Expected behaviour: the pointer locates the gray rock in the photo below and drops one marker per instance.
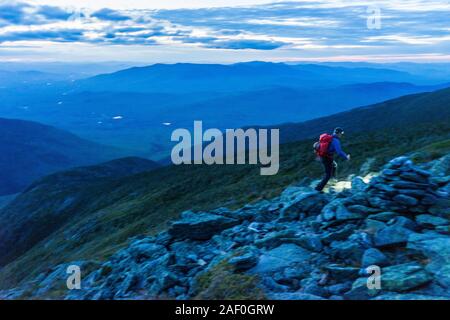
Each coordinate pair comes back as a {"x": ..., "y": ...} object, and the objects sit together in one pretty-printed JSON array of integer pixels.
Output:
[
  {"x": 406, "y": 200},
  {"x": 429, "y": 200},
  {"x": 143, "y": 251},
  {"x": 392, "y": 236},
  {"x": 360, "y": 290},
  {"x": 280, "y": 258},
  {"x": 415, "y": 193},
  {"x": 441, "y": 208},
  {"x": 404, "y": 277},
  {"x": 403, "y": 222},
  {"x": 423, "y": 173},
  {"x": 130, "y": 283},
  {"x": 310, "y": 203},
  {"x": 441, "y": 167},
  {"x": 200, "y": 226},
  {"x": 373, "y": 226},
  {"x": 328, "y": 215},
  {"x": 410, "y": 185},
  {"x": 437, "y": 249},
  {"x": 414, "y": 176},
  {"x": 340, "y": 288},
  {"x": 399, "y": 162},
  {"x": 385, "y": 188},
  {"x": 164, "y": 281},
  {"x": 275, "y": 239},
  {"x": 390, "y": 172},
  {"x": 272, "y": 286},
  {"x": 428, "y": 220},
  {"x": 378, "y": 202},
  {"x": 364, "y": 210},
  {"x": 311, "y": 286},
  {"x": 310, "y": 242},
  {"x": 384, "y": 216},
  {"x": 375, "y": 257},
  {"x": 338, "y": 235},
  {"x": 342, "y": 273},
  {"x": 342, "y": 214},
  {"x": 348, "y": 251},
  {"x": 358, "y": 184},
  {"x": 296, "y": 272},
  {"x": 245, "y": 261}
]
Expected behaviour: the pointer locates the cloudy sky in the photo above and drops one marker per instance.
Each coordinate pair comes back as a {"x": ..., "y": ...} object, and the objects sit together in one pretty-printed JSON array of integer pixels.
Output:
[{"x": 224, "y": 30}]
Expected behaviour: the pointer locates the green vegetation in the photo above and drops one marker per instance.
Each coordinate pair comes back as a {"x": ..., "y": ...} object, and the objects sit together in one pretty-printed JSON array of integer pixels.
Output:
[
  {"x": 220, "y": 283},
  {"x": 433, "y": 151}
]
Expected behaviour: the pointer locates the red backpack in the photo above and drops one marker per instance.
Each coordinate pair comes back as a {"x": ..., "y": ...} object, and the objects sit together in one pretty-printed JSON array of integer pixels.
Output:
[{"x": 321, "y": 147}]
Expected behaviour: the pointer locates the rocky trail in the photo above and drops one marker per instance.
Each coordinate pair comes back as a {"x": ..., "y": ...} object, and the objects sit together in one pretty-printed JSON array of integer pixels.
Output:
[{"x": 300, "y": 245}]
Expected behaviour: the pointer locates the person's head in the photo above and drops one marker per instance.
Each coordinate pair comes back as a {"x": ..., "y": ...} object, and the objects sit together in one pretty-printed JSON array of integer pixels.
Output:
[{"x": 339, "y": 132}]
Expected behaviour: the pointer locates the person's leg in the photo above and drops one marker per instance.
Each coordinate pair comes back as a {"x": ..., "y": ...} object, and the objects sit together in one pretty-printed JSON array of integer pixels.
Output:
[
  {"x": 328, "y": 167},
  {"x": 334, "y": 170}
]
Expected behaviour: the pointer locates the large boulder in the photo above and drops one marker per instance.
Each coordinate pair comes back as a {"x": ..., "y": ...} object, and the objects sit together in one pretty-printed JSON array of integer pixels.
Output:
[
  {"x": 404, "y": 277},
  {"x": 427, "y": 220},
  {"x": 342, "y": 273},
  {"x": 200, "y": 226},
  {"x": 358, "y": 184},
  {"x": 308, "y": 203},
  {"x": 281, "y": 257},
  {"x": 337, "y": 210},
  {"x": 360, "y": 290},
  {"x": 276, "y": 238},
  {"x": 441, "y": 167},
  {"x": 437, "y": 249},
  {"x": 348, "y": 251},
  {"x": 392, "y": 236},
  {"x": 373, "y": 257},
  {"x": 247, "y": 259}
]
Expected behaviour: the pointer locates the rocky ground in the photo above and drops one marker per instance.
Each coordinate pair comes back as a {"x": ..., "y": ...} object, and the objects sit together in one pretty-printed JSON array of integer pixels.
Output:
[{"x": 301, "y": 245}]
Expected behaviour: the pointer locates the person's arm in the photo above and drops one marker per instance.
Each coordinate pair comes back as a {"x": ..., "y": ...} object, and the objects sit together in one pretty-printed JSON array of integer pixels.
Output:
[{"x": 338, "y": 149}]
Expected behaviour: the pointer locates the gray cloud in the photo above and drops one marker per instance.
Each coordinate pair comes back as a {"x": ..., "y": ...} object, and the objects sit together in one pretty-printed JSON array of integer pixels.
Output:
[
  {"x": 245, "y": 44},
  {"x": 13, "y": 13},
  {"x": 111, "y": 15},
  {"x": 312, "y": 25},
  {"x": 54, "y": 13}
]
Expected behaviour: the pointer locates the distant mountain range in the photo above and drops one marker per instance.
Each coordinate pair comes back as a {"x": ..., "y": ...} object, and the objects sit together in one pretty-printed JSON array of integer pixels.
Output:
[
  {"x": 30, "y": 150},
  {"x": 11, "y": 79},
  {"x": 188, "y": 78},
  {"x": 138, "y": 108}
]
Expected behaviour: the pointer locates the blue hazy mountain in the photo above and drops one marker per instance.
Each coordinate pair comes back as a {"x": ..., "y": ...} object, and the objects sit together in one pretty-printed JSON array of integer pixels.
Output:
[
  {"x": 138, "y": 108},
  {"x": 185, "y": 77},
  {"x": 437, "y": 71},
  {"x": 30, "y": 150},
  {"x": 11, "y": 79}
]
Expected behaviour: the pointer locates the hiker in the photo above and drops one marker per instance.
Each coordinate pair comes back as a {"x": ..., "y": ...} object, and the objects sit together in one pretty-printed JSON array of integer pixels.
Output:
[{"x": 327, "y": 146}]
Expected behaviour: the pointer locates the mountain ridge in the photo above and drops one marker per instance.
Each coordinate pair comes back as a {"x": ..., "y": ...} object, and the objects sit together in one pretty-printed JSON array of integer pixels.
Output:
[
  {"x": 232, "y": 76},
  {"x": 39, "y": 149}
]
